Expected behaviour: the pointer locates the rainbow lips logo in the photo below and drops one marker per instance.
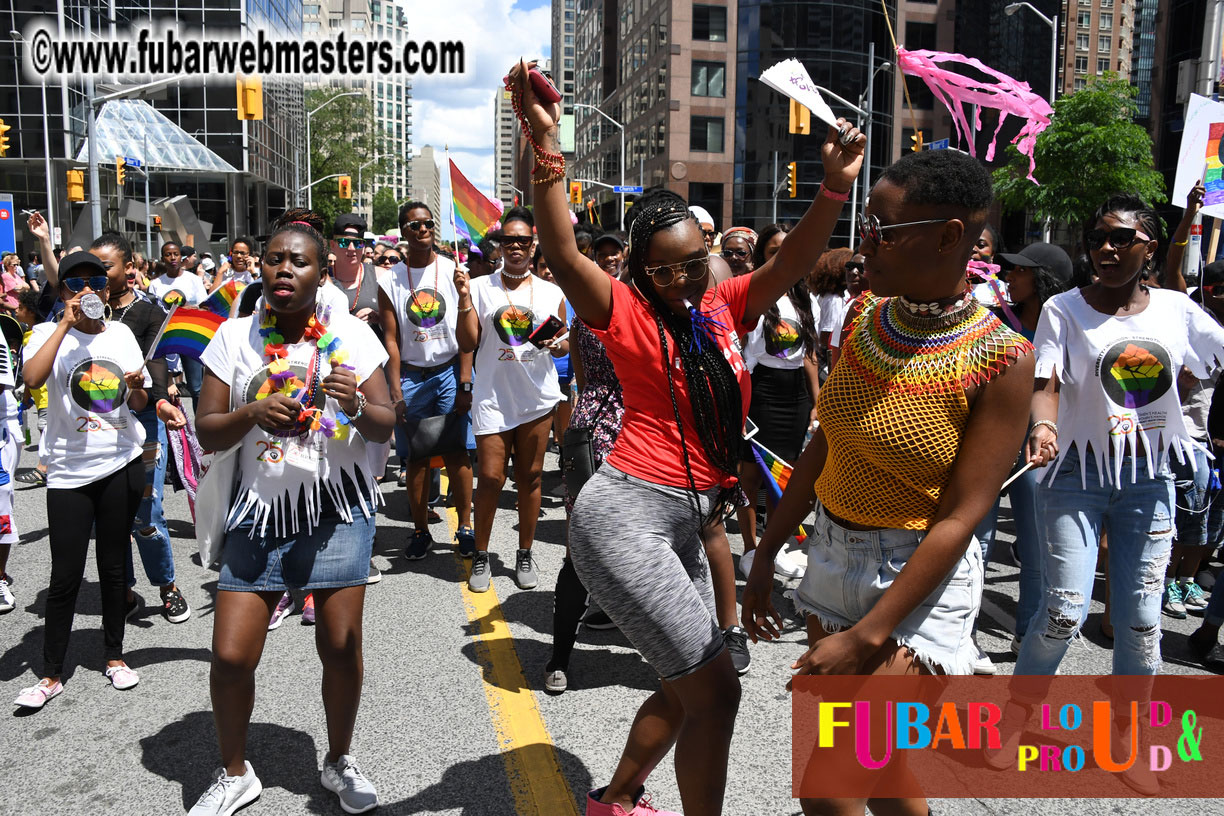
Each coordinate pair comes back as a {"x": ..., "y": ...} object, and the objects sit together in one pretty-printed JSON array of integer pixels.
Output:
[
  {"x": 1138, "y": 373},
  {"x": 97, "y": 386},
  {"x": 427, "y": 309},
  {"x": 513, "y": 324}
]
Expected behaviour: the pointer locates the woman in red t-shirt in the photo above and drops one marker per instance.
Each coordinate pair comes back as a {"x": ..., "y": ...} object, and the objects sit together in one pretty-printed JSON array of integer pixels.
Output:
[{"x": 634, "y": 529}]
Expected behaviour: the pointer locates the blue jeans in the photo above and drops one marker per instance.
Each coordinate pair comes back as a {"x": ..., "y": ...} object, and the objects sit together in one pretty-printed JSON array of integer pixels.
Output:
[
  {"x": 1023, "y": 493},
  {"x": 193, "y": 371},
  {"x": 1192, "y": 483},
  {"x": 1139, "y": 517},
  {"x": 155, "y": 551}
]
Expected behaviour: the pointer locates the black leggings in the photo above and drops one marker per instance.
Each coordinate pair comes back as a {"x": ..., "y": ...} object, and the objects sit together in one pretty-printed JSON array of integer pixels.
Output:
[
  {"x": 108, "y": 507},
  {"x": 570, "y": 601}
]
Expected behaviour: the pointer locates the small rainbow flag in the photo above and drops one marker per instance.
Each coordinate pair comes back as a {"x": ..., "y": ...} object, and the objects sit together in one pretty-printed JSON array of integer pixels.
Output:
[
  {"x": 777, "y": 475},
  {"x": 222, "y": 301},
  {"x": 1213, "y": 174},
  {"x": 187, "y": 332},
  {"x": 474, "y": 212}
]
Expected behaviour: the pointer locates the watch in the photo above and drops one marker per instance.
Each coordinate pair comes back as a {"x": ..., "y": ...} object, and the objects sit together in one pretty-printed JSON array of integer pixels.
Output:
[{"x": 465, "y": 388}]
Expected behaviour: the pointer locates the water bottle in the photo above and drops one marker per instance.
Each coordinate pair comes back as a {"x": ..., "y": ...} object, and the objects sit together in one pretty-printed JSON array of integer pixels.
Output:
[{"x": 92, "y": 306}]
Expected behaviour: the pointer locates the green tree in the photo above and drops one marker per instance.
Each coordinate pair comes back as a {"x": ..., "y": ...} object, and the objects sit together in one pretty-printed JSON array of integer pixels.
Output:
[
  {"x": 386, "y": 211},
  {"x": 344, "y": 136},
  {"x": 1091, "y": 150}
]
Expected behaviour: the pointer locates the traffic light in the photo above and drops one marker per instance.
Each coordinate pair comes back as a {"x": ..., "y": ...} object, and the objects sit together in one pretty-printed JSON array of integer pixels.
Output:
[
  {"x": 575, "y": 192},
  {"x": 4, "y": 142},
  {"x": 119, "y": 173},
  {"x": 800, "y": 118},
  {"x": 346, "y": 187},
  {"x": 792, "y": 179},
  {"x": 917, "y": 142},
  {"x": 157, "y": 223},
  {"x": 76, "y": 185},
  {"x": 250, "y": 98}
]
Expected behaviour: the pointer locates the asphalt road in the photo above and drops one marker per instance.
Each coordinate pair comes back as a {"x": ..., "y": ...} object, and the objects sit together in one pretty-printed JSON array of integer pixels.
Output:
[{"x": 451, "y": 679}]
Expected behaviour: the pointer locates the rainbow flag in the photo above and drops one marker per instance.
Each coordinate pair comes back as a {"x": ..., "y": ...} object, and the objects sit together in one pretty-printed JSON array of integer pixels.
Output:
[
  {"x": 776, "y": 473},
  {"x": 1213, "y": 174},
  {"x": 474, "y": 212},
  {"x": 187, "y": 332},
  {"x": 222, "y": 301}
]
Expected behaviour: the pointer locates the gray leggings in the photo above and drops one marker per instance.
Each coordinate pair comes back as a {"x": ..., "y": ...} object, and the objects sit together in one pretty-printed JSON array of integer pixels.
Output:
[{"x": 636, "y": 548}]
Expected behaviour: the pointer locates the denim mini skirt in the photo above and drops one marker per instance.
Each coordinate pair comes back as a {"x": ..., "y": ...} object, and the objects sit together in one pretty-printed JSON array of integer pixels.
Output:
[{"x": 849, "y": 570}]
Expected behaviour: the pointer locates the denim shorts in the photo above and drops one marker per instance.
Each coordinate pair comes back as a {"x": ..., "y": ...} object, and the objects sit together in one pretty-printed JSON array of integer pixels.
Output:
[
  {"x": 849, "y": 570},
  {"x": 429, "y": 395},
  {"x": 336, "y": 553}
]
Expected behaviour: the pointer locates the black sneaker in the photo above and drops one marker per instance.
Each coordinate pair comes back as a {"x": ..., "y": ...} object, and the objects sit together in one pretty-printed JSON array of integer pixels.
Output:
[
  {"x": 133, "y": 606},
  {"x": 375, "y": 574},
  {"x": 419, "y": 546},
  {"x": 736, "y": 640},
  {"x": 598, "y": 620},
  {"x": 466, "y": 537},
  {"x": 174, "y": 606}
]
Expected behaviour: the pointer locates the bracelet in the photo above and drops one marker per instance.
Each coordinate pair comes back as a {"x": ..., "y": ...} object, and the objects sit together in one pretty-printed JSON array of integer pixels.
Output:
[
  {"x": 465, "y": 311},
  {"x": 554, "y": 163},
  {"x": 1049, "y": 423},
  {"x": 1181, "y": 243},
  {"x": 833, "y": 194},
  {"x": 361, "y": 406}
]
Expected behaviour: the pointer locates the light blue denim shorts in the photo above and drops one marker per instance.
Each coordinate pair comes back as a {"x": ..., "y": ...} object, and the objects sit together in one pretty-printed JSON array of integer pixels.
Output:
[{"x": 849, "y": 570}]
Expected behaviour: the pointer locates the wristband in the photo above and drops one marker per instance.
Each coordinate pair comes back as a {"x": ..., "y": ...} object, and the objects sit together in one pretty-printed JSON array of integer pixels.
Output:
[
  {"x": 160, "y": 401},
  {"x": 833, "y": 194},
  {"x": 465, "y": 388},
  {"x": 1046, "y": 422},
  {"x": 1181, "y": 243}
]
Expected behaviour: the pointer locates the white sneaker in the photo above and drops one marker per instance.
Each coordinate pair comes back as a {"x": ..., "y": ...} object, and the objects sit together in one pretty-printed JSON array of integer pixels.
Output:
[
  {"x": 786, "y": 567},
  {"x": 228, "y": 793},
  {"x": 982, "y": 664},
  {"x": 555, "y": 682},
  {"x": 7, "y": 601},
  {"x": 345, "y": 779},
  {"x": 1015, "y": 644},
  {"x": 745, "y": 563}
]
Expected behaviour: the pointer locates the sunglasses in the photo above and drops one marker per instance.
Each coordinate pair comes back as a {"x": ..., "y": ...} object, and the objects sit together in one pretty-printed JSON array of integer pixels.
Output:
[
  {"x": 77, "y": 285},
  {"x": 388, "y": 260},
  {"x": 854, "y": 267},
  {"x": 735, "y": 253},
  {"x": 709, "y": 233},
  {"x": 694, "y": 270},
  {"x": 523, "y": 241},
  {"x": 416, "y": 225},
  {"x": 1119, "y": 237},
  {"x": 870, "y": 228},
  {"x": 350, "y": 243}
]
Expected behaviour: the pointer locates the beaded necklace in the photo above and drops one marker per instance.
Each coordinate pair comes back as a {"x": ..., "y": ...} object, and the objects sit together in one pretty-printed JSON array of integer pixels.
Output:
[
  {"x": 281, "y": 375},
  {"x": 928, "y": 354}
]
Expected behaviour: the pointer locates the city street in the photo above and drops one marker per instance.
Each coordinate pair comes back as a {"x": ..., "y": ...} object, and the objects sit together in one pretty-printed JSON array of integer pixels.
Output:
[{"x": 454, "y": 718}]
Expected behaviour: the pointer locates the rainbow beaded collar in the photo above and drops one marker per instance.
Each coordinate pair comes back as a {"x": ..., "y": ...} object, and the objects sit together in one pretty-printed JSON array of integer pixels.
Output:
[{"x": 311, "y": 418}]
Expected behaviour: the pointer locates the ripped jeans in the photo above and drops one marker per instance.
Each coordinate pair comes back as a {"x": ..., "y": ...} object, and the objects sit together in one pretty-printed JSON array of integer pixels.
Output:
[{"x": 1139, "y": 517}]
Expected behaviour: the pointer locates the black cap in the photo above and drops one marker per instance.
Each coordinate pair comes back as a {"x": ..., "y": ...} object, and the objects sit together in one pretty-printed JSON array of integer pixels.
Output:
[
  {"x": 187, "y": 250},
  {"x": 1055, "y": 259},
  {"x": 1213, "y": 273},
  {"x": 609, "y": 236},
  {"x": 348, "y": 221},
  {"x": 80, "y": 264}
]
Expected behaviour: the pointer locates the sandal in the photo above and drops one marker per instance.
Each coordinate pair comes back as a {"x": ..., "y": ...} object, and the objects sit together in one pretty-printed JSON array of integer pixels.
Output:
[{"x": 33, "y": 476}]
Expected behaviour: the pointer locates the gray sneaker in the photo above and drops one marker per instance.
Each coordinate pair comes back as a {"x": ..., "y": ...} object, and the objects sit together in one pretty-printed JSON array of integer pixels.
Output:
[
  {"x": 478, "y": 581},
  {"x": 524, "y": 570},
  {"x": 345, "y": 779},
  {"x": 228, "y": 793}
]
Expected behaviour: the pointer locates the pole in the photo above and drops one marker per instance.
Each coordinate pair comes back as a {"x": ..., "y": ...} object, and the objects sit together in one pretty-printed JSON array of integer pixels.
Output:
[
  {"x": 95, "y": 197},
  {"x": 773, "y": 191},
  {"x": 1215, "y": 240},
  {"x": 866, "y": 174},
  {"x": 144, "y": 157},
  {"x": 622, "y": 169},
  {"x": 297, "y": 177},
  {"x": 309, "y": 194},
  {"x": 47, "y": 163},
  {"x": 1053, "y": 94}
]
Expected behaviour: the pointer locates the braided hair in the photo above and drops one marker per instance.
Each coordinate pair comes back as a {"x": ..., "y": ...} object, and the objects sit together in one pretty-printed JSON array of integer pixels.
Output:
[
  {"x": 1149, "y": 221},
  {"x": 800, "y": 294},
  {"x": 714, "y": 393},
  {"x": 304, "y": 222}
]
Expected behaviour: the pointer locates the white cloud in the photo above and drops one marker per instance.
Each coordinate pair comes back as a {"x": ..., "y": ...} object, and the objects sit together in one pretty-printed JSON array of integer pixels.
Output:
[{"x": 457, "y": 110}]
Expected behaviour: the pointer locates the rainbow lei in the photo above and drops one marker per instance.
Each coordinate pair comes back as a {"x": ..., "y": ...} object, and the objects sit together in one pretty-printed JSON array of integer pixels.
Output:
[{"x": 280, "y": 374}]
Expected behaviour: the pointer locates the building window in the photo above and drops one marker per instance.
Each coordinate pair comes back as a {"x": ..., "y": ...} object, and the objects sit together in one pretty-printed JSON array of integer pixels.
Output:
[
  {"x": 311, "y": 27},
  {"x": 358, "y": 24},
  {"x": 1087, "y": 3},
  {"x": 310, "y": 11},
  {"x": 1102, "y": 65},
  {"x": 706, "y": 134},
  {"x": 1105, "y": 22},
  {"x": 1081, "y": 65},
  {"x": 710, "y": 23},
  {"x": 1080, "y": 84},
  {"x": 1106, "y": 4},
  {"x": 709, "y": 78},
  {"x": 1081, "y": 42},
  {"x": 919, "y": 36},
  {"x": 1084, "y": 19},
  {"x": 1104, "y": 43}
]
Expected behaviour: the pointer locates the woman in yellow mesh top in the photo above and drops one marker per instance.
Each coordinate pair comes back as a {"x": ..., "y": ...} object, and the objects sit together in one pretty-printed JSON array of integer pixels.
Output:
[{"x": 921, "y": 419}]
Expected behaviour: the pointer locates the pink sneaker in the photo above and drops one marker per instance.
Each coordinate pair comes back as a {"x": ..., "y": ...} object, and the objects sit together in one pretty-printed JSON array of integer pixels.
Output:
[
  {"x": 642, "y": 808},
  {"x": 36, "y": 697}
]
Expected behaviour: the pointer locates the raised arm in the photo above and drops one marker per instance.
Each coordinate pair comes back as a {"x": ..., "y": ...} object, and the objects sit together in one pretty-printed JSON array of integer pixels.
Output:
[
  {"x": 810, "y": 238},
  {"x": 40, "y": 229},
  {"x": 1174, "y": 279},
  {"x": 588, "y": 288}
]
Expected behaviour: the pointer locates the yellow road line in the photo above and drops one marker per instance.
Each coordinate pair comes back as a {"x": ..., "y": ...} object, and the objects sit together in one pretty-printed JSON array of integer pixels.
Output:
[{"x": 532, "y": 769}]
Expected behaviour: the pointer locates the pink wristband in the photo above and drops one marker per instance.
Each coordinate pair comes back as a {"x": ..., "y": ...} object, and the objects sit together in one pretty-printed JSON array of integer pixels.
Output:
[{"x": 833, "y": 194}]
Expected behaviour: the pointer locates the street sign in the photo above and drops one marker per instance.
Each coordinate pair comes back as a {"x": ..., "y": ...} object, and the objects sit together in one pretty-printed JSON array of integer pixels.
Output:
[
  {"x": 630, "y": 190},
  {"x": 131, "y": 162},
  {"x": 938, "y": 144},
  {"x": 8, "y": 236}
]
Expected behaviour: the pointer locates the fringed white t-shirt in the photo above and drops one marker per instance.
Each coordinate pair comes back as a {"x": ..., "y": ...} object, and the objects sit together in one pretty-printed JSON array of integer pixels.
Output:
[
  {"x": 1118, "y": 378},
  {"x": 275, "y": 473}
]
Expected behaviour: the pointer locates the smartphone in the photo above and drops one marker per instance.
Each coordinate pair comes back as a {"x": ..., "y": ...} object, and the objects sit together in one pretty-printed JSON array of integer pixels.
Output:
[
  {"x": 750, "y": 428},
  {"x": 546, "y": 331},
  {"x": 544, "y": 90}
]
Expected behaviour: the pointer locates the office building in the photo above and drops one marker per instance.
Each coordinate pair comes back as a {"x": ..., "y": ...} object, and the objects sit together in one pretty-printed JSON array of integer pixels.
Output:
[
  {"x": 1098, "y": 38},
  {"x": 427, "y": 182},
  {"x": 505, "y": 147}
]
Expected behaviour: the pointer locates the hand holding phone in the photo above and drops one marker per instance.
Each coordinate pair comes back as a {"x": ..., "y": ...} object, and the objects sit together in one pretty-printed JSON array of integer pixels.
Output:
[
  {"x": 546, "y": 331},
  {"x": 543, "y": 88}
]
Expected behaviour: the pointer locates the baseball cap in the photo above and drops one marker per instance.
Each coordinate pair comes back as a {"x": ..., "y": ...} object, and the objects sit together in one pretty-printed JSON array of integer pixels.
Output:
[
  {"x": 1213, "y": 273},
  {"x": 702, "y": 215},
  {"x": 187, "y": 250},
  {"x": 77, "y": 264},
  {"x": 609, "y": 236},
  {"x": 1053, "y": 258},
  {"x": 207, "y": 264},
  {"x": 348, "y": 221}
]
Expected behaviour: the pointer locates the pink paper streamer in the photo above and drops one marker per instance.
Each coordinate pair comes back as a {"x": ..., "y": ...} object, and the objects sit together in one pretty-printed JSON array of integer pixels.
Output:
[
  {"x": 990, "y": 273},
  {"x": 1008, "y": 96}
]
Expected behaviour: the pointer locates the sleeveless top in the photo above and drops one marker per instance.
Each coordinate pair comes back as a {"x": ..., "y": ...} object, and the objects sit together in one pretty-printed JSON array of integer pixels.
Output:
[{"x": 894, "y": 408}]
